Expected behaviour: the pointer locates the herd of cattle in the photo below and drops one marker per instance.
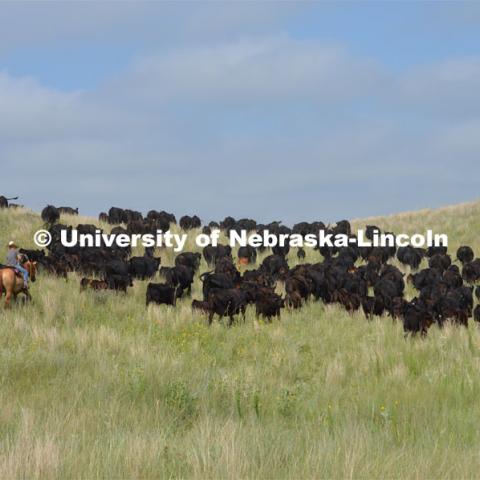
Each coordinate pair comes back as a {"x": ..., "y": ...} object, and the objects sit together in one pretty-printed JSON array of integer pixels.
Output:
[{"x": 353, "y": 277}]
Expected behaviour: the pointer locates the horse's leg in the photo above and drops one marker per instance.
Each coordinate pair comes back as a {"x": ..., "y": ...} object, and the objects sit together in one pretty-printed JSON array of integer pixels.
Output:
[
  {"x": 8, "y": 296},
  {"x": 26, "y": 292},
  {"x": 7, "y": 285}
]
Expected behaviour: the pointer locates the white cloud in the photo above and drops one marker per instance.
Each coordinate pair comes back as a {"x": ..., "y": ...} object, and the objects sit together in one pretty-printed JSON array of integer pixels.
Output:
[
  {"x": 449, "y": 86},
  {"x": 258, "y": 70},
  {"x": 218, "y": 129}
]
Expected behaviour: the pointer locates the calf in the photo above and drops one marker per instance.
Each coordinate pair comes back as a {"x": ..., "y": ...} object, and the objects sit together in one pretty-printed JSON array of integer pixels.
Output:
[
  {"x": 93, "y": 284},
  {"x": 268, "y": 305},
  {"x": 200, "y": 306}
]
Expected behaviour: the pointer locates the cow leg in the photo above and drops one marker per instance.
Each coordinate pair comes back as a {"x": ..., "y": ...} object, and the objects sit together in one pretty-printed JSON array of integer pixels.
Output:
[{"x": 210, "y": 317}]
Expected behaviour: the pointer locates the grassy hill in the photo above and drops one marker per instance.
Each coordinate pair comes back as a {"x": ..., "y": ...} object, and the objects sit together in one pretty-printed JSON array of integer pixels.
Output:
[{"x": 96, "y": 385}]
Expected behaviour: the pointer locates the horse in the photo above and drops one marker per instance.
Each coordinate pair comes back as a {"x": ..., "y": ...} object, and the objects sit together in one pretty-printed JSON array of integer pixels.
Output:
[{"x": 12, "y": 283}]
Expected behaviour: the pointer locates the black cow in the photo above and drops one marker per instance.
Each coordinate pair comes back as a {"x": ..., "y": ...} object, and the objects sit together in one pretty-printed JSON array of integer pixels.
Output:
[
  {"x": 180, "y": 276},
  {"x": 435, "y": 250},
  {"x": 370, "y": 231},
  {"x": 226, "y": 303},
  {"x": 50, "y": 215},
  {"x": 440, "y": 261},
  {"x": 227, "y": 223},
  {"x": 212, "y": 254},
  {"x": 55, "y": 266},
  {"x": 275, "y": 265},
  {"x": 68, "y": 210},
  {"x": 471, "y": 271},
  {"x": 87, "y": 229},
  {"x": 212, "y": 281},
  {"x": 163, "y": 218},
  {"x": 143, "y": 267},
  {"x": 225, "y": 265},
  {"x": 4, "y": 201},
  {"x": 116, "y": 215},
  {"x": 465, "y": 254},
  {"x": 451, "y": 276},
  {"x": 119, "y": 282},
  {"x": 247, "y": 254},
  {"x": 189, "y": 259},
  {"x": 476, "y": 314},
  {"x": 188, "y": 223},
  {"x": 410, "y": 256},
  {"x": 103, "y": 217},
  {"x": 33, "y": 255},
  {"x": 268, "y": 305},
  {"x": 116, "y": 267},
  {"x": 416, "y": 318},
  {"x": 161, "y": 293},
  {"x": 372, "y": 306}
]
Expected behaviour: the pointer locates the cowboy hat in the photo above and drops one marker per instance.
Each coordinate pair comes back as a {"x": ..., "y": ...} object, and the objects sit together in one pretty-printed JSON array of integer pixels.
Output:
[{"x": 12, "y": 244}]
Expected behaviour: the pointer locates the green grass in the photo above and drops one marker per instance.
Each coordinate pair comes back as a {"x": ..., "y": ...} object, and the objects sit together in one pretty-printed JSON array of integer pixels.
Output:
[{"x": 98, "y": 386}]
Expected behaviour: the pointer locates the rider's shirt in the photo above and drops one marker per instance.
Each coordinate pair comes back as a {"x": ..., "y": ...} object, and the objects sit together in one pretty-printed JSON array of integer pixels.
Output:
[{"x": 12, "y": 257}]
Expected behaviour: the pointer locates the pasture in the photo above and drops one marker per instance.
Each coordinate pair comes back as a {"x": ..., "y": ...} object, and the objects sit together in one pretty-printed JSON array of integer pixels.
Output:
[{"x": 96, "y": 385}]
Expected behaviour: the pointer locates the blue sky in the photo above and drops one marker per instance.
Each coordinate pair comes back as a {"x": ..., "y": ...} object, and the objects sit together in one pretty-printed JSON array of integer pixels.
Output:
[{"x": 270, "y": 110}]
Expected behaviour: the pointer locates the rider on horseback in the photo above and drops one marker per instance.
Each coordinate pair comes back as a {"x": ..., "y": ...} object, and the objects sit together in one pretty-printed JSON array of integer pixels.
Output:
[{"x": 13, "y": 260}]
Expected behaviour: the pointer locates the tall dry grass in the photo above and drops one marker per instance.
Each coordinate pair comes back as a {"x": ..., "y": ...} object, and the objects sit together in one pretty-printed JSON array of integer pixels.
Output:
[{"x": 98, "y": 386}]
